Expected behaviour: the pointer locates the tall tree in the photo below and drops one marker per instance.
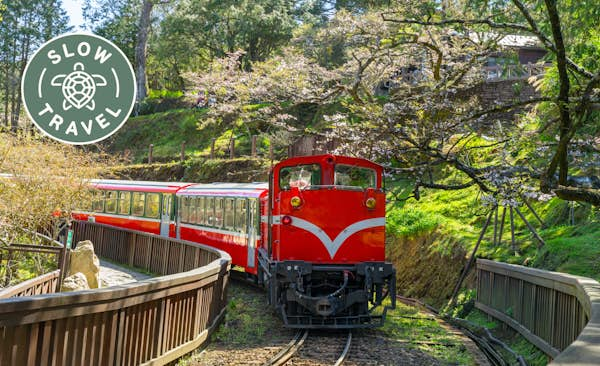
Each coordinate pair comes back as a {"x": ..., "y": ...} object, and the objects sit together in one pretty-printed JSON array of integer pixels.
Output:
[
  {"x": 25, "y": 26},
  {"x": 141, "y": 49}
]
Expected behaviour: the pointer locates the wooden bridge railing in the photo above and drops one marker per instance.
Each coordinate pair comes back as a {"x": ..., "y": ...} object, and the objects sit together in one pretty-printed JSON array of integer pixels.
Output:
[
  {"x": 557, "y": 312},
  {"x": 154, "y": 321},
  {"x": 44, "y": 284}
]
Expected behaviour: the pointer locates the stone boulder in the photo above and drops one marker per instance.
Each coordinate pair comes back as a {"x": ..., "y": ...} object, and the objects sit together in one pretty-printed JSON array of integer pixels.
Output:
[
  {"x": 75, "y": 282},
  {"x": 83, "y": 260}
]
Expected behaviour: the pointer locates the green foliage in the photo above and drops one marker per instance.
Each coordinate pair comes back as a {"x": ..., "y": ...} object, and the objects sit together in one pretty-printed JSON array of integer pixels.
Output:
[
  {"x": 163, "y": 93},
  {"x": 533, "y": 356},
  {"x": 24, "y": 26},
  {"x": 166, "y": 130},
  {"x": 410, "y": 223},
  {"x": 426, "y": 334},
  {"x": 116, "y": 21}
]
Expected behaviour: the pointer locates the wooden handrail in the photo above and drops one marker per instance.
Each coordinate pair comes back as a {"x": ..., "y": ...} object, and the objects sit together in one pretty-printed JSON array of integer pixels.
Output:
[
  {"x": 154, "y": 321},
  {"x": 44, "y": 284},
  {"x": 558, "y": 312}
]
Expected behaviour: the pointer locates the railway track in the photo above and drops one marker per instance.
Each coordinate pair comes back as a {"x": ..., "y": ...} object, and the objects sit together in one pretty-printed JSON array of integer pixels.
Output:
[{"x": 290, "y": 353}]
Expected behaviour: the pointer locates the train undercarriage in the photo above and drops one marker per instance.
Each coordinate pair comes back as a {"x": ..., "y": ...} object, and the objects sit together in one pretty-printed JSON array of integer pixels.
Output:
[{"x": 331, "y": 296}]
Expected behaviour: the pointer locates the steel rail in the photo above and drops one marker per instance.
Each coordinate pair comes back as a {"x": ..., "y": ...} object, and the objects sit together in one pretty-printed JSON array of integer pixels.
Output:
[
  {"x": 342, "y": 358},
  {"x": 285, "y": 354}
]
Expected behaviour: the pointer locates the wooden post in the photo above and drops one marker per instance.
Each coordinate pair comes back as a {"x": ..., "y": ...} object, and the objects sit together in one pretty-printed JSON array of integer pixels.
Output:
[
  {"x": 512, "y": 230},
  {"x": 495, "y": 226},
  {"x": 502, "y": 225},
  {"x": 254, "y": 145},
  {"x": 212, "y": 148},
  {"x": 290, "y": 151},
  {"x": 182, "y": 158},
  {"x": 150, "y": 148},
  {"x": 469, "y": 264},
  {"x": 535, "y": 234},
  {"x": 232, "y": 148},
  {"x": 534, "y": 213},
  {"x": 271, "y": 151}
]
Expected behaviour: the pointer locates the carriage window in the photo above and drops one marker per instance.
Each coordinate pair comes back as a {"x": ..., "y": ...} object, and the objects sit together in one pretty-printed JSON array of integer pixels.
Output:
[
  {"x": 152, "y": 204},
  {"x": 354, "y": 176},
  {"x": 124, "y": 202},
  {"x": 139, "y": 199},
  {"x": 240, "y": 215},
  {"x": 111, "y": 202},
  {"x": 200, "y": 212},
  {"x": 300, "y": 176},
  {"x": 254, "y": 209},
  {"x": 98, "y": 201},
  {"x": 229, "y": 213},
  {"x": 192, "y": 210},
  {"x": 210, "y": 211},
  {"x": 185, "y": 205},
  {"x": 218, "y": 221}
]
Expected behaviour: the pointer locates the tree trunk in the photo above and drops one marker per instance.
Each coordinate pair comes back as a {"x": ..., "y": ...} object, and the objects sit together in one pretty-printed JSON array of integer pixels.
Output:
[
  {"x": 13, "y": 86},
  {"x": 6, "y": 91},
  {"x": 24, "y": 59},
  {"x": 140, "y": 50},
  {"x": 560, "y": 159}
]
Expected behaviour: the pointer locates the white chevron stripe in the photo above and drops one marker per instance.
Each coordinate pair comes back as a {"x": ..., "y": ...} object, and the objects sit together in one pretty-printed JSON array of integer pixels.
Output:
[{"x": 335, "y": 244}]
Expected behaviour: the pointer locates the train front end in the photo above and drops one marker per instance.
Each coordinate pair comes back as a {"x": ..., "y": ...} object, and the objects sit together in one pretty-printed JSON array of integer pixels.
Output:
[{"x": 326, "y": 267}]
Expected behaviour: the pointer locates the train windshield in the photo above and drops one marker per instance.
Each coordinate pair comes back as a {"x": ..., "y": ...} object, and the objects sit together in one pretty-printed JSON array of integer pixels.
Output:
[
  {"x": 301, "y": 176},
  {"x": 355, "y": 177}
]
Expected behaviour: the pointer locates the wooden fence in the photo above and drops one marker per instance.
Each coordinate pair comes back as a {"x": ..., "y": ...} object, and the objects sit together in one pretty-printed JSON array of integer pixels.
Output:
[
  {"x": 557, "y": 312},
  {"x": 154, "y": 321},
  {"x": 513, "y": 72},
  {"x": 45, "y": 284}
]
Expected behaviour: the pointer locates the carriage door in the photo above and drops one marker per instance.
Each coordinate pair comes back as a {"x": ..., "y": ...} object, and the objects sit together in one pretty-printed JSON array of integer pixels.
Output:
[
  {"x": 165, "y": 216},
  {"x": 252, "y": 234}
]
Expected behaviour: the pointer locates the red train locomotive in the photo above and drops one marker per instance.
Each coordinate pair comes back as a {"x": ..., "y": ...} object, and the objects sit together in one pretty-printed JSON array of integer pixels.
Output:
[{"x": 314, "y": 236}]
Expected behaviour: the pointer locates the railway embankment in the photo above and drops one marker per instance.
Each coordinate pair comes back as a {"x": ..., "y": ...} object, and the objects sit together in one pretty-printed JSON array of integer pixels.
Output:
[
  {"x": 197, "y": 170},
  {"x": 253, "y": 334}
]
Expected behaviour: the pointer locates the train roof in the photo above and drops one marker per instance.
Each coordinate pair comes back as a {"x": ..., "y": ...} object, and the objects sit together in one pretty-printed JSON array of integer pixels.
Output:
[
  {"x": 225, "y": 189},
  {"x": 337, "y": 159},
  {"x": 140, "y": 186}
]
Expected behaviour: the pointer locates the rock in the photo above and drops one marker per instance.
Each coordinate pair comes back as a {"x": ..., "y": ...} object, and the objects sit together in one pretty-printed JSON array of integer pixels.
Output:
[
  {"x": 84, "y": 260},
  {"x": 75, "y": 282}
]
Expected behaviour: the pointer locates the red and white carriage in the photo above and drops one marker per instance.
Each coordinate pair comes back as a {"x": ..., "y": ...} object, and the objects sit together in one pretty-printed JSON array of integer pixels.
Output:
[{"x": 314, "y": 235}]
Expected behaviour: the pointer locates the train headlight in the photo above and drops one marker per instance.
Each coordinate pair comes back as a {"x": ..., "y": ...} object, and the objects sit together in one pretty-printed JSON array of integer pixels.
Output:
[
  {"x": 296, "y": 201},
  {"x": 370, "y": 203}
]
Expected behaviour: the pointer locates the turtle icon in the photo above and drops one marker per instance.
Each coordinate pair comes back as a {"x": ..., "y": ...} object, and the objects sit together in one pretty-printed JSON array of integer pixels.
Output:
[{"x": 78, "y": 87}]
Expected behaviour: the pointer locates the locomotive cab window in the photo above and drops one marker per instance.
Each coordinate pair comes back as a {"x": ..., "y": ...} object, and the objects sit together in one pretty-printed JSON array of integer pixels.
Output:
[
  {"x": 301, "y": 176},
  {"x": 355, "y": 177}
]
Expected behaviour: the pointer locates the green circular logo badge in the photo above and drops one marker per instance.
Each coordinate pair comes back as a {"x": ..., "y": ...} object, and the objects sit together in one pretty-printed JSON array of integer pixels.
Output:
[{"x": 78, "y": 88}]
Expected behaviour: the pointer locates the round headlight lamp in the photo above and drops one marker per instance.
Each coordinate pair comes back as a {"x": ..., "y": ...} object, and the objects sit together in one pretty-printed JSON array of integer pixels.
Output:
[
  {"x": 296, "y": 201},
  {"x": 370, "y": 203}
]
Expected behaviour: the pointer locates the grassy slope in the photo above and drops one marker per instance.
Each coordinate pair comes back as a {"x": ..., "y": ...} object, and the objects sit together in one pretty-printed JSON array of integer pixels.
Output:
[
  {"x": 456, "y": 218},
  {"x": 460, "y": 215},
  {"x": 167, "y": 130}
]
